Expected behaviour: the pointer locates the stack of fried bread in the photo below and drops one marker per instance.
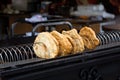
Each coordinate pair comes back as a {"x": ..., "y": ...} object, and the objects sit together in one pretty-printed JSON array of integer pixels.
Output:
[
  {"x": 53, "y": 44},
  {"x": 76, "y": 40}
]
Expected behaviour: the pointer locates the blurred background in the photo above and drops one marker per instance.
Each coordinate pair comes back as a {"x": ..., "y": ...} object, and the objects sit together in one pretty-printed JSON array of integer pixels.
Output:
[{"x": 12, "y": 10}]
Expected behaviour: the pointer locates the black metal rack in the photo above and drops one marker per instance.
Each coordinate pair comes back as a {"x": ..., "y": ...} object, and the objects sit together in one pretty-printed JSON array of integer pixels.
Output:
[{"x": 101, "y": 63}]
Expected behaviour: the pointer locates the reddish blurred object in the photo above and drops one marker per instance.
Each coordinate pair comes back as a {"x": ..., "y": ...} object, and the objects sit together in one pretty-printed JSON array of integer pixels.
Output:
[
  {"x": 92, "y": 1},
  {"x": 115, "y": 2}
]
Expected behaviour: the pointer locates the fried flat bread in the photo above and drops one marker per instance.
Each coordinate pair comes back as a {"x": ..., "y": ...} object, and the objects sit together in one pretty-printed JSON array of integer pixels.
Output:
[
  {"x": 73, "y": 43},
  {"x": 40, "y": 50},
  {"x": 78, "y": 41},
  {"x": 65, "y": 47},
  {"x": 89, "y": 44},
  {"x": 89, "y": 37},
  {"x": 49, "y": 49}
]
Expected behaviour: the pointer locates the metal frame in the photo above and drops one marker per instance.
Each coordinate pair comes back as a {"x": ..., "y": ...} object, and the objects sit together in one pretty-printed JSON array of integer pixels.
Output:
[
  {"x": 52, "y": 24},
  {"x": 46, "y": 24}
]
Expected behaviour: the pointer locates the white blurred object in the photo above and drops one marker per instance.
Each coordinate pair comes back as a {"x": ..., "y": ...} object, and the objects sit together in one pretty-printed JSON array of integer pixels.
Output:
[
  {"x": 92, "y": 10},
  {"x": 16, "y": 11},
  {"x": 108, "y": 15},
  {"x": 99, "y": 7},
  {"x": 36, "y": 18},
  {"x": 8, "y": 9},
  {"x": 30, "y": 33}
]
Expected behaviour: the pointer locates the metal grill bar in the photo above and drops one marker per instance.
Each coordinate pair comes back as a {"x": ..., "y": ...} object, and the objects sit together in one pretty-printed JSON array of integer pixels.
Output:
[
  {"x": 108, "y": 37},
  {"x": 16, "y": 53},
  {"x": 37, "y": 25},
  {"x": 52, "y": 24}
]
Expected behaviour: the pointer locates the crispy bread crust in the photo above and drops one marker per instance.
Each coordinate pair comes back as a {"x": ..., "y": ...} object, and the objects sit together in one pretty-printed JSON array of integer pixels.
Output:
[
  {"x": 78, "y": 41},
  {"x": 65, "y": 46},
  {"x": 89, "y": 37},
  {"x": 51, "y": 44}
]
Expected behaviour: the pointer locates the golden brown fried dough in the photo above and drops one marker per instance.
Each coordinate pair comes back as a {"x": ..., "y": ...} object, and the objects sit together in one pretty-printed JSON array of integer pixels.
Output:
[
  {"x": 49, "y": 49},
  {"x": 78, "y": 41},
  {"x": 65, "y": 46},
  {"x": 89, "y": 37},
  {"x": 89, "y": 44},
  {"x": 40, "y": 50},
  {"x": 73, "y": 43},
  {"x": 72, "y": 33}
]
